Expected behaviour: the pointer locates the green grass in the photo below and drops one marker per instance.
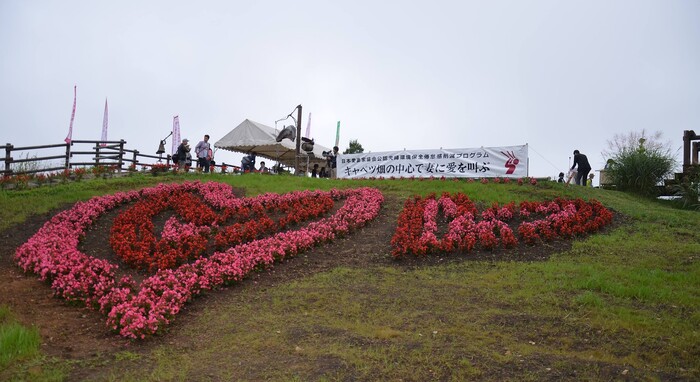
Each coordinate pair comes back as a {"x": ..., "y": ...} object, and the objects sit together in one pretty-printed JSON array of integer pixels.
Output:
[
  {"x": 627, "y": 299},
  {"x": 16, "y": 341},
  {"x": 20, "y": 357}
]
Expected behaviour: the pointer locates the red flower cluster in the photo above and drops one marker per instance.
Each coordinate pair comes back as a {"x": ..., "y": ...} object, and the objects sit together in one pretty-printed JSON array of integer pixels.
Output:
[
  {"x": 133, "y": 238},
  {"x": 139, "y": 310},
  {"x": 417, "y": 224},
  {"x": 254, "y": 221}
]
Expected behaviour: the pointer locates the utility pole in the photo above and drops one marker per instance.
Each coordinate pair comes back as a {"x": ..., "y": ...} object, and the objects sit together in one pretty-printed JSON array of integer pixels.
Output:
[{"x": 298, "y": 151}]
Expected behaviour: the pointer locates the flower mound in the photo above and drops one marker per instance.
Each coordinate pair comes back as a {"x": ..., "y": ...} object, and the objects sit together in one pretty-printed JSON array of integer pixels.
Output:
[
  {"x": 137, "y": 311},
  {"x": 417, "y": 228}
]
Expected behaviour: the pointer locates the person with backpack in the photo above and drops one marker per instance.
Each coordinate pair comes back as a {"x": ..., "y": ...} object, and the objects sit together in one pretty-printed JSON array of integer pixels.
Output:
[
  {"x": 182, "y": 151},
  {"x": 248, "y": 163}
]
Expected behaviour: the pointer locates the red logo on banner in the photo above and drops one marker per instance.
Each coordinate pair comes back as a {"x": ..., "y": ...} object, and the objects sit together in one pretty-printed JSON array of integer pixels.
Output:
[{"x": 512, "y": 162}]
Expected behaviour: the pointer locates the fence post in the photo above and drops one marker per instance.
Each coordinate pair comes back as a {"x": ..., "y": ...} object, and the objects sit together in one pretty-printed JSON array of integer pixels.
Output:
[
  {"x": 8, "y": 158},
  {"x": 97, "y": 154},
  {"x": 121, "y": 154},
  {"x": 136, "y": 158},
  {"x": 68, "y": 154}
]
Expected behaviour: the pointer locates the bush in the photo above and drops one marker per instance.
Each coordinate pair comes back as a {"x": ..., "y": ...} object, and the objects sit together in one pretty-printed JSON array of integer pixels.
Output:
[
  {"x": 639, "y": 168},
  {"x": 688, "y": 189}
]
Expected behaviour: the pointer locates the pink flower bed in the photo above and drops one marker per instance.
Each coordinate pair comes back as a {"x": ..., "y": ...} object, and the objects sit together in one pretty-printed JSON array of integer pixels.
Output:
[
  {"x": 417, "y": 229},
  {"x": 136, "y": 311}
]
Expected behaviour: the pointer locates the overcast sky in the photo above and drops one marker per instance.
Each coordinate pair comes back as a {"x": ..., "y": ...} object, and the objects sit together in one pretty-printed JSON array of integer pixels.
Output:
[{"x": 557, "y": 75}]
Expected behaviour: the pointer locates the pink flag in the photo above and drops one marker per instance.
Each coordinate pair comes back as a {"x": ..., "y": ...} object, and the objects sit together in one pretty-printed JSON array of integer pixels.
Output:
[
  {"x": 308, "y": 127},
  {"x": 176, "y": 133},
  {"x": 104, "y": 127},
  {"x": 72, "y": 115}
]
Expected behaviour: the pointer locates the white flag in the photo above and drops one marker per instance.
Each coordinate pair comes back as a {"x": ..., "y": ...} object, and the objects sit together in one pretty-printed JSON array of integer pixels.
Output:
[
  {"x": 176, "y": 133},
  {"x": 308, "y": 127},
  {"x": 72, "y": 116},
  {"x": 104, "y": 126}
]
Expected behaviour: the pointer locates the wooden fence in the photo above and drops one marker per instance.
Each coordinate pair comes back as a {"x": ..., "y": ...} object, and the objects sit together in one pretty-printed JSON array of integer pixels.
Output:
[{"x": 77, "y": 153}]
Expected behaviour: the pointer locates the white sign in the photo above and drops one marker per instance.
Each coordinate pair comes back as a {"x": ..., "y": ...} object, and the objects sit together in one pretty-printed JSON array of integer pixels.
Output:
[{"x": 484, "y": 162}]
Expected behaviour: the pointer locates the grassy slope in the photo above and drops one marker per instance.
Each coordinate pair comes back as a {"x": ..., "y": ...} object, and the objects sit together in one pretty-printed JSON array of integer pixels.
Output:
[{"x": 620, "y": 304}]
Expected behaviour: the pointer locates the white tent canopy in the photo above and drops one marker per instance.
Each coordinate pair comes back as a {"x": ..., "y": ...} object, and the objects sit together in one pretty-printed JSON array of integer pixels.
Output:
[{"x": 253, "y": 136}]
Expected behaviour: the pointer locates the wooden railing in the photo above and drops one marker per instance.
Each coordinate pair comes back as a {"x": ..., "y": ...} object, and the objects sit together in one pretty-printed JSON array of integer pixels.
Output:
[{"x": 77, "y": 153}]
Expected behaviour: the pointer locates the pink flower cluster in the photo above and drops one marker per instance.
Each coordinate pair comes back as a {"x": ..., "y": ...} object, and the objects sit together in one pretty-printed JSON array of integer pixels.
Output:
[
  {"x": 137, "y": 311},
  {"x": 416, "y": 231}
]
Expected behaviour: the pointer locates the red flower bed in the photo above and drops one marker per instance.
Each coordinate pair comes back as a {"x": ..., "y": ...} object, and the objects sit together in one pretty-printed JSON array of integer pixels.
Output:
[
  {"x": 199, "y": 210},
  {"x": 540, "y": 221}
]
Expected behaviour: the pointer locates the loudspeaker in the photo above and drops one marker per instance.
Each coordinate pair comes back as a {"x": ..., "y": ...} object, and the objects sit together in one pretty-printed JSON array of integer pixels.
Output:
[{"x": 307, "y": 144}]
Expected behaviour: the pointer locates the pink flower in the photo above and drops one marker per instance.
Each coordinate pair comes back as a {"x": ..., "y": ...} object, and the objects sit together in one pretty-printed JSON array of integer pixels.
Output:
[{"x": 52, "y": 252}]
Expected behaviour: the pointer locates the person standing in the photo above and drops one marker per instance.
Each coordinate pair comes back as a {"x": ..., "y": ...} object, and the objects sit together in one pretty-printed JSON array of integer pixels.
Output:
[
  {"x": 182, "y": 152},
  {"x": 583, "y": 168},
  {"x": 263, "y": 168},
  {"x": 589, "y": 183},
  {"x": 333, "y": 162},
  {"x": 248, "y": 163},
  {"x": 203, "y": 150}
]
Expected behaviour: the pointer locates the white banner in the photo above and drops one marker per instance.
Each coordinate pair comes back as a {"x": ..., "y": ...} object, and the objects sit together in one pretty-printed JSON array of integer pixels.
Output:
[
  {"x": 176, "y": 133},
  {"x": 105, "y": 123},
  {"x": 484, "y": 162},
  {"x": 69, "y": 137}
]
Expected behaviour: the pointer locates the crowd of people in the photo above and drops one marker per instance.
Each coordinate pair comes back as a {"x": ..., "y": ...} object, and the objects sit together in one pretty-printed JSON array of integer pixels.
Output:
[
  {"x": 203, "y": 152},
  {"x": 328, "y": 171}
]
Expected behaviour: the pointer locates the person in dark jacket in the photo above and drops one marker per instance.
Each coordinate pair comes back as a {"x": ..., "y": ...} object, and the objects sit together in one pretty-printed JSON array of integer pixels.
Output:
[
  {"x": 583, "y": 169},
  {"x": 182, "y": 151},
  {"x": 248, "y": 163},
  {"x": 332, "y": 160}
]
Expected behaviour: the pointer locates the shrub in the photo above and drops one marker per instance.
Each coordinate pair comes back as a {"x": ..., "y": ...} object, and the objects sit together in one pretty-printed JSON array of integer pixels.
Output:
[
  {"x": 640, "y": 166},
  {"x": 688, "y": 189}
]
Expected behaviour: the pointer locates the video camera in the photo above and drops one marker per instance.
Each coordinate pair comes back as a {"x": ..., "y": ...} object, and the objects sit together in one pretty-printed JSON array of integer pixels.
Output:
[{"x": 327, "y": 154}]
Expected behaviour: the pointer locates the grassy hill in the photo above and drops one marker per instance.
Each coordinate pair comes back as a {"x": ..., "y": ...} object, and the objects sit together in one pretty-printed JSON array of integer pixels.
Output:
[{"x": 622, "y": 304}]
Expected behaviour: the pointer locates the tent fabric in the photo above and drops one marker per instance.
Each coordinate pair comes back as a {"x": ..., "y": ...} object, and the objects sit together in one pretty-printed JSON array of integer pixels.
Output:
[{"x": 253, "y": 136}]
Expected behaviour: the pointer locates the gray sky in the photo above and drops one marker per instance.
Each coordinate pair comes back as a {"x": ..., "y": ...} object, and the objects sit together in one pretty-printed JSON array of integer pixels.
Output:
[{"x": 558, "y": 75}]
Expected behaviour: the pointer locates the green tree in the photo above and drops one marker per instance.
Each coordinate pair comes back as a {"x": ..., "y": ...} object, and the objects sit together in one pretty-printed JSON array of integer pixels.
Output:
[
  {"x": 354, "y": 148},
  {"x": 638, "y": 162}
]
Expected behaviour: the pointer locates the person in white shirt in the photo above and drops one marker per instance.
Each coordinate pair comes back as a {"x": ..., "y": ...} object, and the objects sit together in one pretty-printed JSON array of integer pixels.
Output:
[{"x": 203, "y": 151}]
